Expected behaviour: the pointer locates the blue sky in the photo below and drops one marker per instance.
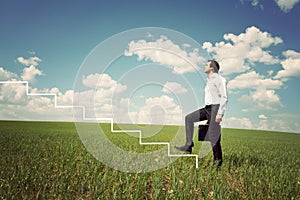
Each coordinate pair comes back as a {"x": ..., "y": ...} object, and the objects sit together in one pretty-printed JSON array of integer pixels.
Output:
[{"x": 62, "y": 33}]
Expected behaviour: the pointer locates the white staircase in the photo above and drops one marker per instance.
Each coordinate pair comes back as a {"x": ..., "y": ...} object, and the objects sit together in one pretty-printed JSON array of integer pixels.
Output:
[{"x": 102, "y": 119}]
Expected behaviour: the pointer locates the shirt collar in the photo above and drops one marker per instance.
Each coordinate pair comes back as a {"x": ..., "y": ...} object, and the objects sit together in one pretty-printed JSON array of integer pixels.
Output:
[{"x": 214, "y": 75}]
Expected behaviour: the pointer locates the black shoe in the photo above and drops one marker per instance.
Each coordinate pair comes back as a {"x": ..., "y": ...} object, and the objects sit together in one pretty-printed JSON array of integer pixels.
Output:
[
  {"x": 218, "y": 162},
  {"x": 185, "y": 147}
]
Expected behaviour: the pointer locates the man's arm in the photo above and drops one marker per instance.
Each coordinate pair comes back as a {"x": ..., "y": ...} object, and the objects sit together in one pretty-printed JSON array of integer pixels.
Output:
[{"x": 224, "y": 98}]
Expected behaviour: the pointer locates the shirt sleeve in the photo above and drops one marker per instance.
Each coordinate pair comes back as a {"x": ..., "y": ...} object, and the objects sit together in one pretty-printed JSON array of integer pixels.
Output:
[{"x": 221, "y": 85}]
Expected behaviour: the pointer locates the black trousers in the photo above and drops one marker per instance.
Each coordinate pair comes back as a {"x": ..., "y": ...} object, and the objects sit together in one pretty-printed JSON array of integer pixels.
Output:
[{"x": 209, "y": 113}]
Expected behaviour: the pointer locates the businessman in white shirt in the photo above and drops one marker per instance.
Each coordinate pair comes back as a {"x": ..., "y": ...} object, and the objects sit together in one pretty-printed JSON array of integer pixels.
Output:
[{"x": 215, "y": 105}]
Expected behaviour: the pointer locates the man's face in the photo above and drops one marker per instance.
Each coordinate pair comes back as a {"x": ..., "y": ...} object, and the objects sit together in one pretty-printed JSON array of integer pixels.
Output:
[{"x": 207, "y": 68}]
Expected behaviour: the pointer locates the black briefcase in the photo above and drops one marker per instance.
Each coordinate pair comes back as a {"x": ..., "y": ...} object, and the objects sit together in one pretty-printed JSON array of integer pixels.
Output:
[{"x": 202, "y": 132}]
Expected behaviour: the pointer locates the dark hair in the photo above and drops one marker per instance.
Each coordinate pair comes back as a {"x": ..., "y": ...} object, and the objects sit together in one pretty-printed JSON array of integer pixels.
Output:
[{"x": 214, "y": 64}]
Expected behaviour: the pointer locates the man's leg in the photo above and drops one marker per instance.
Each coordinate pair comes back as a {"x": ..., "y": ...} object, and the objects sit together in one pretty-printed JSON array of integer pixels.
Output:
[
  {"x": 217, "y": 151},
  {"x": 190, "y": 119},
  {"x": 215, "y": 136},
  {"x": 195, "y": 116}
]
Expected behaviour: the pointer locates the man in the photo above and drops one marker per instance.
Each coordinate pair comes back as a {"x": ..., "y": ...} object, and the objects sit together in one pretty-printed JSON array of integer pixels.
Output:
[{"x": 215, "y": 106}]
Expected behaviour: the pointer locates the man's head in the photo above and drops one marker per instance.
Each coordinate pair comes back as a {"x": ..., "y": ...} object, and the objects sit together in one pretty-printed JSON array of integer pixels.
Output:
[{"x": 212, "y": 66}]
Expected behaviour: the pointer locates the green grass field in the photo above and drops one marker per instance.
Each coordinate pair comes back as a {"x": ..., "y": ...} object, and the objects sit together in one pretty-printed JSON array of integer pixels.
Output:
[{"x": 46, "y": 160}]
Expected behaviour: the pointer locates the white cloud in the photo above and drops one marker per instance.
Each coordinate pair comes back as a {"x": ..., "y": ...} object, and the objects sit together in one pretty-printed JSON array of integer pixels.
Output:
[
  {"x": 31, "y": 52},
  {"x": 291, "y": 54},
  {"x": 13, "y": 94},
  {"x": 262, "y": 116},
  {"x": 102, "y": 99},
  {"x": 103, "y": 82},
  {"x": 98, "y": 101},
  {"x": 238, "y": 52},
  {"x": 291, "y": 65},
  {"x": 262, "y": 99},
  {"x": 149, "y": 35},
  {"x": 174, "y": 87},
  {"x": 157, "y": 110},
  {"x": 165, "y": 52},
  {"x": 29, "y": 73},
  {"x": 254, "y": 36},
  {"x": 14, "y": 104},
  {"x": 246, "y": 49},
  {"x": 102, "y": 93},
  {"x": 274, "y": 123},
  {"x": 40, "y": 104},
  {"x": 185, "y": 45},
  {"x": 30, "y": 61},
  {"x": 263, "y": 124},
  {"x": 234, "y": 122},
  {"x": 20, "y": 106},
  {"x": 254, "y": 3},
  {"x": 286, "y": 5},
  {"x": 252, "y": 80},
  {"x": 270, "y": 72},
  {"x": 267, "y": 99},
  {"x": 280, "y": 125},
  {"x": 31, "y": 70},
  {"x": 64, "y": 98},
  {"x": 285, "y": 122},
  {"x": 6, "y": 75},
  {"x": 45, "y": 90}
]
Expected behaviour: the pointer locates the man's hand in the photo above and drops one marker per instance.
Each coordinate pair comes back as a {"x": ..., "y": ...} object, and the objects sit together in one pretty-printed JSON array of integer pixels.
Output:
[{"x": 219, "y": 118}]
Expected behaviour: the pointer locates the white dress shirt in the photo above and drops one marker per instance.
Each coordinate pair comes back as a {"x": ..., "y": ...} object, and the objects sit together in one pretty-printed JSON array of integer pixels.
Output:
[{"x": 216, "y": 92}]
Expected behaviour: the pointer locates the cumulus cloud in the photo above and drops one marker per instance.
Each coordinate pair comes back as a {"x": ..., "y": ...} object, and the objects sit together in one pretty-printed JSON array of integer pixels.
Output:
[
  {"x": 277, "y": 122},
  {"x": 165, "y": 52},
  {"x": 103, "y": 82},
  {"x": 261, "y": 91},
  {"x": 286, "y": 5},
  {"x": 290, "y": 65},
  {"x": 237, "y": 53},
  {"x": 284, "y": 122},
  {"x": 31, "y": 70},
  {"x": 30, "y": 61},
  {"x": 253, "y": 80},
  {"x": 158, "y": 110},
  {"x": 94, "y": 80},
  {"x": 174, "y": 87},
  {"x": 255, "y": 3},
  {"x": 63, "y": 98},
  {"x": 274, "y": 123},
  {"x": 103, "y": 90},
  {"x": 13, "y": 94},
  {"x": 18, "y": 105},
  {"x": 7, "y": 75},
  {"x": 29, "y": 73},
  {"x": 263, "y": 99},
  {"x": 291, "y": 54},
  {"x": 262, "y": 116},
  {"x": 235, "y": 122},
  {"x": 98, "y": 103},
  {"x": 97, "y": 98}
]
